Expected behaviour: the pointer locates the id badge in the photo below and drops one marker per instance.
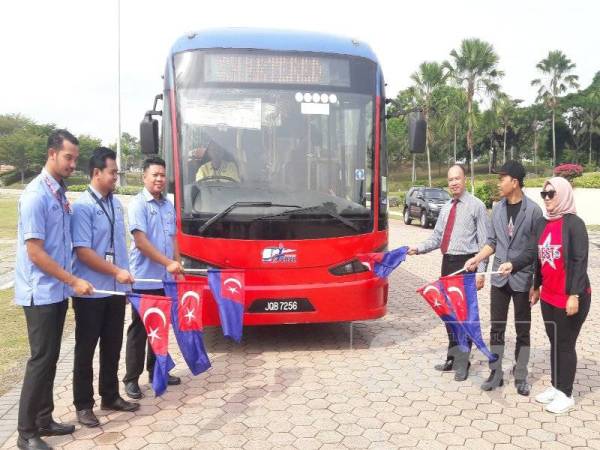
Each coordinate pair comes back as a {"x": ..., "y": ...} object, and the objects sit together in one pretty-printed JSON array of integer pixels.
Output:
[{"x": 109, "y": 257}]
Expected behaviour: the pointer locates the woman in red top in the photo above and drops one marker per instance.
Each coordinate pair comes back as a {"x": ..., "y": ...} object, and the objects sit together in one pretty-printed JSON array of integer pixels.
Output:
[{"x": 559, "y": 250}]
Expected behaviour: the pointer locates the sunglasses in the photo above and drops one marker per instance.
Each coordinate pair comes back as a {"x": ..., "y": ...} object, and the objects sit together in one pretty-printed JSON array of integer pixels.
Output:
[{"x": 547, "y": 194}]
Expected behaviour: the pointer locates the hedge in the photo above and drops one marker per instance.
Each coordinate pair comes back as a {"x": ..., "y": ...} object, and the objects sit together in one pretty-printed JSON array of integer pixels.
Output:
[{"x": 122, "y": 190}]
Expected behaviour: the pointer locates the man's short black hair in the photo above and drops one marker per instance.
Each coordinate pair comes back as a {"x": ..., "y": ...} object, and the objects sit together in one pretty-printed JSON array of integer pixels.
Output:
[
  {"x": 99, "y": 157},
  {"x": 154, "y": 161},
  {"x": 461, "y": 167},
  {"x": 57, "y": 137}
]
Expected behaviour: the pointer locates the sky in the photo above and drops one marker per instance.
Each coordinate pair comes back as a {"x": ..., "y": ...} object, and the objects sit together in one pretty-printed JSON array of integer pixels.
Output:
[{"x": 60, "y": 57}]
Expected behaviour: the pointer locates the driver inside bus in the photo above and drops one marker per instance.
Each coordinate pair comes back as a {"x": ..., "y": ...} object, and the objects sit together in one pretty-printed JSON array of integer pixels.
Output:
[{"x": 217, "y": 164}]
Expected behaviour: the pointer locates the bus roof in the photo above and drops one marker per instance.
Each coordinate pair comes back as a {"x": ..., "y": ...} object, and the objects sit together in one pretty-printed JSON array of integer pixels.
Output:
[{"x": 271, "y": 39}]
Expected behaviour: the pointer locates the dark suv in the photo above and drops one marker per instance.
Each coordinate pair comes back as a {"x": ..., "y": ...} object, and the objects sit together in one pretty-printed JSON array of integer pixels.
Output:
[{"x": 424, "y": 203}]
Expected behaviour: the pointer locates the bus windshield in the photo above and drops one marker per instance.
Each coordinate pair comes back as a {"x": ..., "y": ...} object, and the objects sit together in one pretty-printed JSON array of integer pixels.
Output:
[{"x": 265, "y": 157}]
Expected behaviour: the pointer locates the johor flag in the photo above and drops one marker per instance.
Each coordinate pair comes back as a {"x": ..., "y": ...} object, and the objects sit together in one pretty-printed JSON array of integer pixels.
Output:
[
  {"x": 155, "y": 312},
  {"x": 461, "y": 291},
  {"x": 434, "y": 294},
  {"x": 227, "y": 287},
  {"x": 186, "y": 317},
  {"x": 383, "y": 263}
]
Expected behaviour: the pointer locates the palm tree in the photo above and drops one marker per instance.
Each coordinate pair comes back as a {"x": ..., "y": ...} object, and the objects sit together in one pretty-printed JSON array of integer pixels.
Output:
[
  {"x": 505, "y": 108},
  {"x": 452, "y": 106},
  {"x": 558, "y": 78},
  {"x": 431, "y": 76},
  {"x": 475, "y": 69}
]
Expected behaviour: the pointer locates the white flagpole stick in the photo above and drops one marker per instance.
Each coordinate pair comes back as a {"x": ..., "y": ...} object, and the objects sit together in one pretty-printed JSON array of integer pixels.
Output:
[
  {"x": 456, "y": 273},
  {"x": 100, "y": 291},
  {"x": 147, "y": 280},
  {"x": 192, "y": 271}
]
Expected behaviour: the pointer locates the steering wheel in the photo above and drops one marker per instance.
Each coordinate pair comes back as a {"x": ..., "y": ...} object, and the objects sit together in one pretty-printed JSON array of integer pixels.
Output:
[{"x": 217, "y": 177}]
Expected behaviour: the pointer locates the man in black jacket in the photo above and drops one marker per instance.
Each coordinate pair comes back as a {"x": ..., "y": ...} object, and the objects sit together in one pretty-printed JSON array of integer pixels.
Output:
[{"x": 513, "y": 220}]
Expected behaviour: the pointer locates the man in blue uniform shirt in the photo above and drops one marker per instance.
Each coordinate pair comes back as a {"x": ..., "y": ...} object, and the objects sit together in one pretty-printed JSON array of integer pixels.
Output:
[
  {"x": 100, "y": 255},
  {"x": 42, "y": 284},
  {"x": 154, "y": 255}
]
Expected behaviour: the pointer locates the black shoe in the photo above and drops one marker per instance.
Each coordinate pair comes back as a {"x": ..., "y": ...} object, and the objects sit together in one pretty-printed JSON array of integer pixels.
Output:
[
  {"x": 34, "y": 443},
  {"x": 445, "y": 366},
  {"x": 86, "y": 417},
  {"x": 173, "y": 380},
  {"x": 462, "y": 372},
  {"x": 132, "y": 389},
  {"x": 56, "y": 429},
  {"x": 120, "y": 405},
  {"x": 523, "y": 387},
  {"x": 494, "y": 380}
]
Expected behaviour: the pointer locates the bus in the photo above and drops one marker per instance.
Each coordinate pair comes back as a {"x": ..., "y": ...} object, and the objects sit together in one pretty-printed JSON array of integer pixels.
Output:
[{"x": 276, "y": 162}]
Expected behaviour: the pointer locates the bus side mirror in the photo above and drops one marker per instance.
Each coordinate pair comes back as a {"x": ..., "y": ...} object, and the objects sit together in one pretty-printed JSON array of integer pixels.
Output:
[
  {"x": 149, "y": 135},
  {"x": 417, "y": 130}
]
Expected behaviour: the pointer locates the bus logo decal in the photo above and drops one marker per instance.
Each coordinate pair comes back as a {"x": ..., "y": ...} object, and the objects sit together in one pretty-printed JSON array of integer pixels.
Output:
[{"x": 278, "y": 255}]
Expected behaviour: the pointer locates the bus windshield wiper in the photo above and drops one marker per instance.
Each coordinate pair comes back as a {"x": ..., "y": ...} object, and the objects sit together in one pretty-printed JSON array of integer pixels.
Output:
[
  {"x": 235, "y": 205},
  {"x": 318, "y": 209}
]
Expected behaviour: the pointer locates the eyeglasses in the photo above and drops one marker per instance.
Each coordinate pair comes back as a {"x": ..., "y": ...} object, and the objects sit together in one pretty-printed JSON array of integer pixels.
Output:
[{"x": 547, "y": 194}]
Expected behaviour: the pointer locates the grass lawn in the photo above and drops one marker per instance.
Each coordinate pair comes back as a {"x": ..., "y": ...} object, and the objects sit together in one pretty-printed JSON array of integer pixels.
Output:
[
  {"x": 8, "y": 213},
  {"x": 14, "y": 342}
]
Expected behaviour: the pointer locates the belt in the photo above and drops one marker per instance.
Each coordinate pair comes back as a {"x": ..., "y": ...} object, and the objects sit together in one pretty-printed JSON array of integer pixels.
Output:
[{"x": 450, "y": 257}]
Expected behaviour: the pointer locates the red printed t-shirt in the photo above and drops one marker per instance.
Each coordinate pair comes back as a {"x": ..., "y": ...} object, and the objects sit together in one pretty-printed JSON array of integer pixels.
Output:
[{"x": 554, "y": 275}]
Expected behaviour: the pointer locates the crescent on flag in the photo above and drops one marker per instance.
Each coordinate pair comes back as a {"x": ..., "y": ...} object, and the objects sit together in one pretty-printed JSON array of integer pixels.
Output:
[
  {"x": 431, "y": 287},
  {"x": 192, "y": 294},
  {"x": 234, "y": 281},
  {"x": 455, "y": 289},
  {"x": 155, "y": 310}
]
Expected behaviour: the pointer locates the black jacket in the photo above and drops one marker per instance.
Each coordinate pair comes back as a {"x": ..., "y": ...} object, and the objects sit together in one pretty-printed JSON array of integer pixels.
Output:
[{"x": 575, "y": 248}]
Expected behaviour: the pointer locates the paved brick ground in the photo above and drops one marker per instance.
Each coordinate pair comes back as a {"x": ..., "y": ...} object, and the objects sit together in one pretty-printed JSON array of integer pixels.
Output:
[{"x": 369, "y": 385}]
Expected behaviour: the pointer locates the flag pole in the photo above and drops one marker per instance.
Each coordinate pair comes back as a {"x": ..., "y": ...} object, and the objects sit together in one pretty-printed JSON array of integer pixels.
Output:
[
  {"x": 101, "y": 291},
  {"x": 147, "y": 280},
  {"x": 497, "y": 272}
]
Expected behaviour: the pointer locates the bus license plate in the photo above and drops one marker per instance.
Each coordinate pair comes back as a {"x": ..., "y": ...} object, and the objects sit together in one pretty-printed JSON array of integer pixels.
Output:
[{"x": 288, "y": 305}]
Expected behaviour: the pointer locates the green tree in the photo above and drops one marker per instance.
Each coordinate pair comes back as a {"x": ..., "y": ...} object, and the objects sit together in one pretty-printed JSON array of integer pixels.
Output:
[
  {"x": 87, "y": 144},
  {"x": 505, "y": 109},
  {"x": 475, "y": 68},
  {"x": 430, "y": 77},
  {"x": 584, "y": 108},
  {"x": 451, "y": 104},
  {"x": 22, "y": 149},
  {"x": 557, "y": 79}
]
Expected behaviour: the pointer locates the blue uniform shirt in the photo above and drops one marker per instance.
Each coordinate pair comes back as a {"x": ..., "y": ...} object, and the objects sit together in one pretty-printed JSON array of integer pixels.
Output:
[
  {"x": 90, "y": 228},
  {"x": 156, "y": 218},
  {"x": 44, "y": 213}
]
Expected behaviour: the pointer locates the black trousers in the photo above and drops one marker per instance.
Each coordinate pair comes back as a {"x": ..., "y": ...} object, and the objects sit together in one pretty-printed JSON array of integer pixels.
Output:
[
  {"x": 44, "y": 329},
  {"x": 500, "y": 302},
  {"x": 135, "y": 349},
  {"x": 97, "y": 320},
  {"x": 450, "y": 264},
  {"x": 562, "y": 331}
]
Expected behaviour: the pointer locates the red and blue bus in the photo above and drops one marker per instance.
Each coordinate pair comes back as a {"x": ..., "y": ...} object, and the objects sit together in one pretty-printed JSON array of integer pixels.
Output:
[{"x": 298, "y": 120}]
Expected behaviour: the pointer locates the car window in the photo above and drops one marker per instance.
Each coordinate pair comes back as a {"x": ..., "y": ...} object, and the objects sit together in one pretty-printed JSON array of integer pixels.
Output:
[{"x": 436, "y": 194}]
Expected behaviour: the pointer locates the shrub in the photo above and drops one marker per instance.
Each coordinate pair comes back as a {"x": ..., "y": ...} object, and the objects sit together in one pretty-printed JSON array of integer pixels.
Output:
[
  {"x": 78, "y": 187},
  {"x": 487, "y": 192},
  {"x": 128, "y": 190},
  {"x": 122, "y": 190},
  {"x": 589, "y": 180},
  {"x": 568, "y": 171}
]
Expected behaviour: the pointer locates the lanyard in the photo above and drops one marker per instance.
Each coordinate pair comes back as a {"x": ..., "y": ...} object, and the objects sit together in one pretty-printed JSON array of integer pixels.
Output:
[
  {"x": 111, "y": 219},
  {"x": 60, "y": 196}
]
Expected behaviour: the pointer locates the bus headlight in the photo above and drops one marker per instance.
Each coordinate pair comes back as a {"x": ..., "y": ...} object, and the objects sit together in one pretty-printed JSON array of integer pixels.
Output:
[{"x": 348, "y": 268}]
